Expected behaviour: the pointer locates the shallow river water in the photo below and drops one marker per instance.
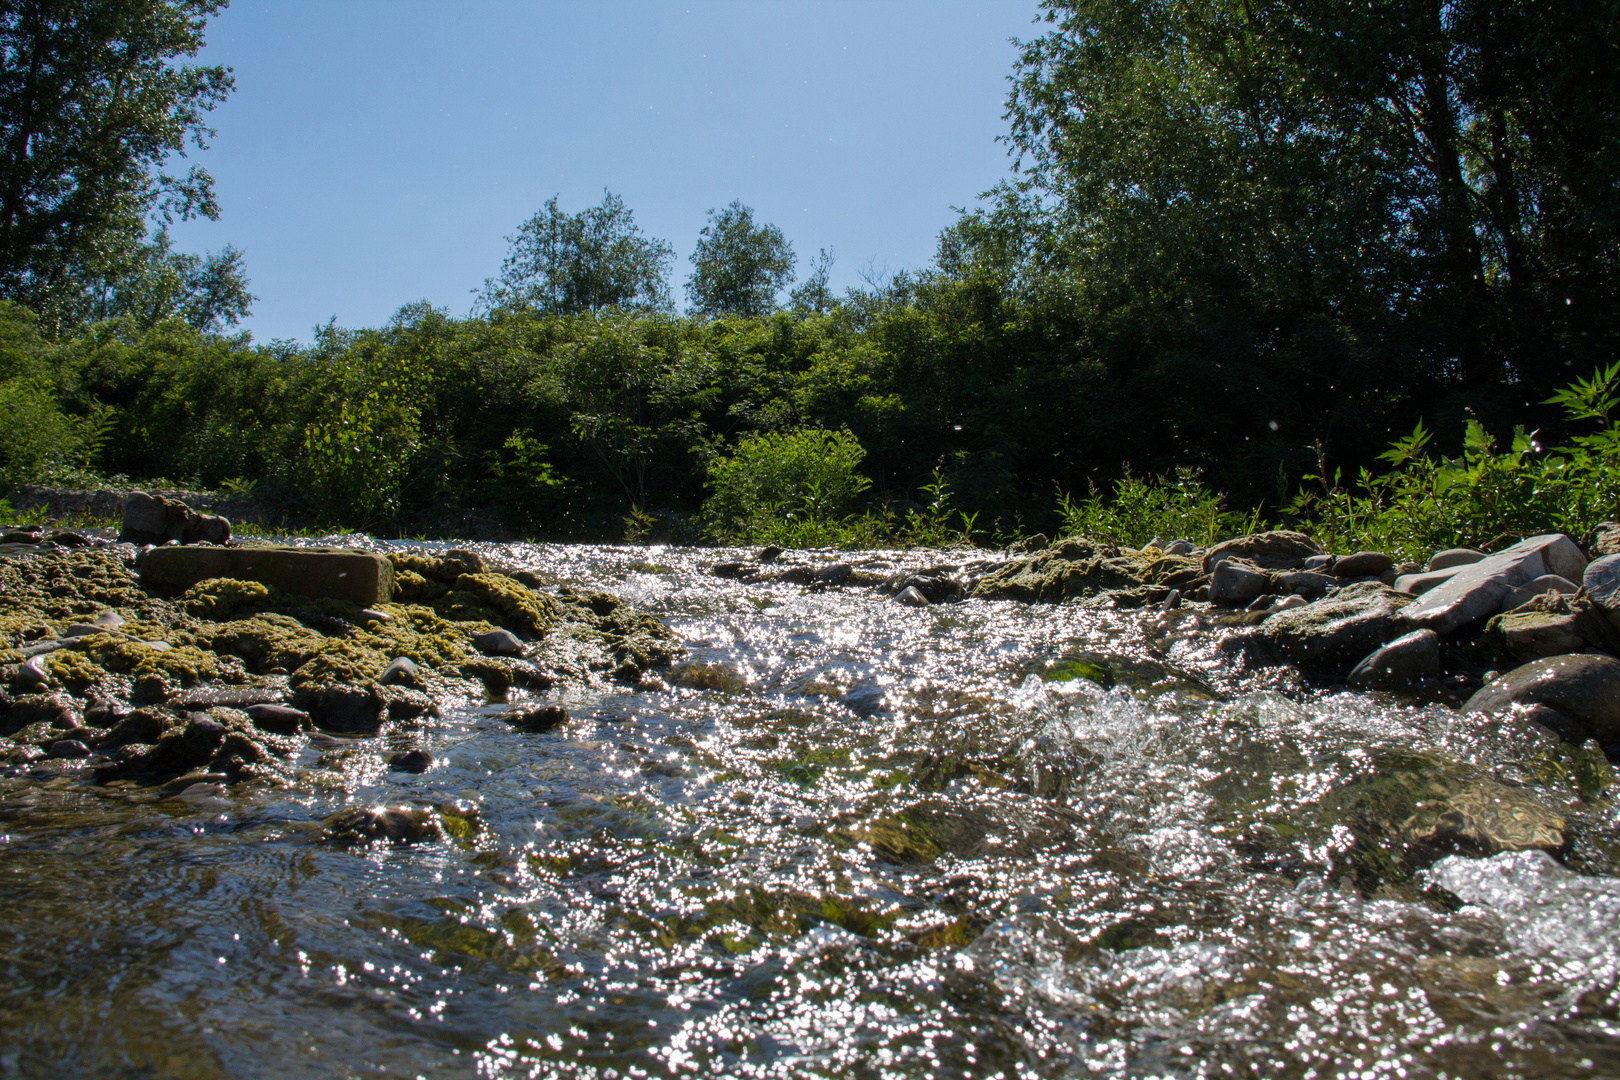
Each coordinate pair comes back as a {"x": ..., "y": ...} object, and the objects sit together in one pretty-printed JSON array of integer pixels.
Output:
[{"x": 850, "y": 839}]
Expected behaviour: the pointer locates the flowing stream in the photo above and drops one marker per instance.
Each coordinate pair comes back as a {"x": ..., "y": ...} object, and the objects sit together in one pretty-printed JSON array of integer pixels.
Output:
[{"x": 850, "y": 839}]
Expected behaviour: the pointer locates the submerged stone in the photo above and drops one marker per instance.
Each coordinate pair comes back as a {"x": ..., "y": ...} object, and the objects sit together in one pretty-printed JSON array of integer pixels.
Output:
[{"x": 1414, "y": 809}]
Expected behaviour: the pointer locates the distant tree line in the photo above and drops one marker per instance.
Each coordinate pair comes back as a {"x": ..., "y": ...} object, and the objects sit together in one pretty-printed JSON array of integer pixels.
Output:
[{"x": 1248, "y": 238}]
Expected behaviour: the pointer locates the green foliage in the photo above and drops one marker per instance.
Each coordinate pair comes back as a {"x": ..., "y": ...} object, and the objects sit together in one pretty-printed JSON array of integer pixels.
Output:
[
  {"x": 37, "y": 441},
  {"x": 1424, "y": 504},
  {"x": 564, "y": 264},
  {"x": 93, "y": 108},
  {"x": 1176, "y": 507},
  {"x": 738, "y": 267},
  {"x": 779, "y": 483}
]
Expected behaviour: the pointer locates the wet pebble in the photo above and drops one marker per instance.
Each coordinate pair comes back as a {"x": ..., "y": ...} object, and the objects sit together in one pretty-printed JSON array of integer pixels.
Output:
[
  {"x": 68, "y": 748},
  {"x": 396, "y": 824},
  {"x": 411, "y": 761}
]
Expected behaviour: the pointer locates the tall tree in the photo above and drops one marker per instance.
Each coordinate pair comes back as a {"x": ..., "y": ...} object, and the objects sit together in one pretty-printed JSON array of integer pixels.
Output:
[
  {"x": 1301, "y": 213},
  {"x": 563, "y": 263},
  {"x": 738, "y": 267},
  {"x": 93, "y": 108}
]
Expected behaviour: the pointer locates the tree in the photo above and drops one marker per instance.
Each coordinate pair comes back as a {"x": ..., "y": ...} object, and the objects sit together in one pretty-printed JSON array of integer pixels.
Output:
[
  {"x": 738, "y": 267},
  {"x": 1308, "y": 215},
  {"x": 92, "y": 109},
  {"x": 563, "y": 264},
  {"x": 815, "y": 294},
  {"x": 154, "y": 282}
]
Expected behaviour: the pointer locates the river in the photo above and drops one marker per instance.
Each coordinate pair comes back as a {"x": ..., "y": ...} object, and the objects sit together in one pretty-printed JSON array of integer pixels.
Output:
[{"x": 849, "y": 839}]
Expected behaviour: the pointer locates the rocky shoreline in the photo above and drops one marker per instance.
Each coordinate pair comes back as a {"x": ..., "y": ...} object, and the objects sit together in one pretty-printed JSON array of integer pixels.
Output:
[{"x": 109, "y": 677}]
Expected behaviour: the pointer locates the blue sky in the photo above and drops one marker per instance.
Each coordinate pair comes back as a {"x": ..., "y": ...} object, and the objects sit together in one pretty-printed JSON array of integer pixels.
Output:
[{"x": 378, "y": 152}]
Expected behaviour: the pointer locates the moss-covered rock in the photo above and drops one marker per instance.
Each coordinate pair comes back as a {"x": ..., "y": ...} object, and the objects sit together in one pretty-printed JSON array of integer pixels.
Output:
[{"x": 1082, "y": 567}]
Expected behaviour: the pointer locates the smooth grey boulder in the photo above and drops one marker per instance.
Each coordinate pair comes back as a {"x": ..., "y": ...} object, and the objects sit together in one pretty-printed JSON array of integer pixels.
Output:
[
  {"x": 1276, "y": 550},
  {"x": 1179, "y": 547},
  {"x": 1546, "y": 583},
  {"x": 838, "y": 573},
  {"x": 1398, "y": 665},
  {"x": 911, "y": 596},
  {"x": 1444, "y": 560},
  {"x": 1532, "y": 635},
  {"x": 1362, "y": 564},
  {"x": 1584, "y": 689},
  {"x": 1478, "y": 589},
  {"x": 1326, "y": 637},
  {"x": 1237, "y": 582},
  {"x": 497, "y": 643},
  {"x": 1318, "y": 562},
  {"x": 1601, "y": 579}
]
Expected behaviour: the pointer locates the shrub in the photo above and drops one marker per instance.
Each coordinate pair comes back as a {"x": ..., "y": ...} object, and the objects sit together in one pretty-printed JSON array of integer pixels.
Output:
[
  {"x": 1423, "y": 504},
  {"x": 776, "y": 482},
  {"x": 37, "y": 440},
  {"x": 1169, "y": 507}
]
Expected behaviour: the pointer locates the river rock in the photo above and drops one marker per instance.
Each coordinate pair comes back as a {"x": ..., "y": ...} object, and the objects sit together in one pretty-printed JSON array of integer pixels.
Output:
[
  {"x": 911, "y": 596},
  {"x": 1236, "y": 582},
  {"x": 278, "y": 719},
  {"x": 357, "y": 576},
  {"x": 1326, "y": 637},
  {"x": 401, "y": 670},
  {"x": 1404, "y": 661},
  {"x": 1416, "y": 808},
  {"x": 537, "y": 718},
  {"x": 153, "y": 519},
  {"x": 838, "y": 573},
  {"x": 1546, "y": 583},
  {"x": 1307, "y": 583},
  {"x": 349, "y": 710},
  {"x": 1532, "y": 635},
  {"x": 1477, "y": 589},
  {"x": 1362, "y": 564},
  {"x": 1276, "y": 550},
  {"x": 396, "y": 824},
  {"x": 1601, "y": 579},
  {"x": 497, "y": 643},
  {"x": 1180, "y": 547},
  {"x": 1453, "y": 557},
  {"x": 411, "y": 761},
  {"x": 1584, "y": 689}
]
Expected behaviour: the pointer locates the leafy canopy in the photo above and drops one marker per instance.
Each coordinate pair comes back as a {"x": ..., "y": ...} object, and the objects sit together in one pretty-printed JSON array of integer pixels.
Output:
[
  {"x": 93, "y": 109},
  {"x": 738, "y": 267},
  {"x": 565, "y": 264}
]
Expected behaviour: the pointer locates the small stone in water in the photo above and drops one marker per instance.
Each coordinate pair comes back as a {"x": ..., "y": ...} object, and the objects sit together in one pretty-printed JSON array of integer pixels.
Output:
[
  {"x": 398, "y": 824},
  {"x": 411, "y": 761},
  {"x": 69, "y": 748},
  {"x": 911, "y": 596},
  {"x": 537, "y": 719}
]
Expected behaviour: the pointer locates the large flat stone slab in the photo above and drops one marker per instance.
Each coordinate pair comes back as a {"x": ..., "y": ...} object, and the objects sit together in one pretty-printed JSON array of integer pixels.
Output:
[
  {"x": 1478, "y": 589},
  {"x": 356, "y": 576}
]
